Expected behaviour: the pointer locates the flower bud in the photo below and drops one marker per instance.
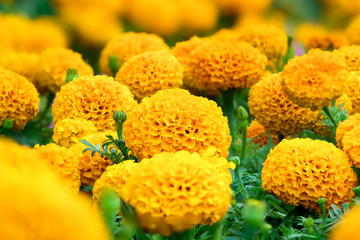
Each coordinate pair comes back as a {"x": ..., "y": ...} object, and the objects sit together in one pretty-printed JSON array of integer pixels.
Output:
[
  {"x": 321, "y": 201},
  {"x": 242, "y": 114},
  {"x": 120, "y": 116},
  {"x": 71, "y": 74},
  {"x": 114, "y": 64},
  {"x": 7, "y": 123},
  {"x": 236, "y": 160},
  {"x": 357, "y": 191},
  {"x": 254, "y": 214},
  {"x": 266, "y": 228},
  {"x": 308, "y": 222}
]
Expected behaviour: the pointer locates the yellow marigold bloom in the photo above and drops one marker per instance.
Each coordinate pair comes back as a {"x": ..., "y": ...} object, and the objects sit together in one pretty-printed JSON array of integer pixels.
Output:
[
  {"x": 19, "y": 99},
  {"x": 127, "y": 45},
  {"x": 326, "y": 41},
  {"x": 352, "y": 89},
  {"x": 351, "y": 55},
  {"x": 301, "y": 171},
  {"x": 113, "y": 178},
  {"x": 166, "y": 22},
  {"x": 31, "y": 190},
  {"x": 273, "y": 109},
  {"x": 244, "y": 6},
  {"x": 53, "y": 67},
  {"x": 225, "y": 34},
  {"x": 92, "y": 98},
  {"x": 148, "y": 72},
  {"x": 69, "y": 131},
  {"x": 222, "y": 65},
  {"x": 258, "y": 131},
  {"x": 92, "y": 167},
  {"x": 173, "y": 120},
  {"x": 63, "y": 162},
  {"x": 24, "y": 64},
  {"x": 346, "y": 126},
  {"x": 269, "y": 39},
  {"x": 172, "y": 192},
  {"x": 314, "y": 79},
  {"x": 352, "y": 31},
  {"x": 347, "y": 227}
]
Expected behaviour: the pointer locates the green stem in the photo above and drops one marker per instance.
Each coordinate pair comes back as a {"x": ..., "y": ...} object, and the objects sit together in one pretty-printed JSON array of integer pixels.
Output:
[
  {"x": 229, "y": 111},
  {"x": 328, "y": 113},
  {"x": 219, "y": 229},
  {"x": 119, "y": 130},
  {"x": 243, "y": 147},
  {"x": 49, "y": 100}
]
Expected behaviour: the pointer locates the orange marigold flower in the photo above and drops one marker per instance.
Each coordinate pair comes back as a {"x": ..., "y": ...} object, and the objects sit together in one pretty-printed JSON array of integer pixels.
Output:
[
  {"x": 19, "y": 99},
  {"x": 269, "y": 39},
  {"x": 32, "y": 190},
  {"x": 148, "y": 72},
  {"x": 127, "y": 45},
  {"x": 346, "y": 126},
  {"x": 173, "y": 120},
  {"x": 348, "y": 226},
  {"x": 314, "y": 79},
  {"x": 352, "y": 89},
  {"x": 258, "y": 132},
  {"x": 222, "y": 65},
  {"x": 113, "y": 178},
  {"x": 172, "y": 192},
  {"x": 53, "y": 66},
  {"x": 92, "y": 167},
  {"x": 301, "y": 171},
  {"x": 92, "y": 98},
  {"x": 351, "y": 55},
  {"x": 69, "y": 131},
  {"x": 62, "y": 162},
  {"x": 273, "y": 109}
]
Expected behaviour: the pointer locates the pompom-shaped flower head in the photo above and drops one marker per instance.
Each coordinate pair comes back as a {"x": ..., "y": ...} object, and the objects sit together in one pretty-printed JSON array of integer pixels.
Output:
[
  {"x": 19, "y": 99},
  {"x": 301, "y": 171},
  {"x": 35, "y": 199},
  {"x": 172, "y": 192},
  {"x": 314, "y": 79},
  {"x": 351, "y": 55},
  {"x": 113, "y": 178},
  {"x": 348, "y": 227},
  {"x": 146, "y": 73},
  {"x": 347, "y": 138},
  {"x": 259, "y": 134},
  {"x": 92, "y": 98},
  {"x": 127, "y": 45},
  {"x": 63, "y": 162},
  {"x": 352, "y": 89},
  {"x": 91, "y": 167},
  {"x": 269, "y": 39},
  {"x": 173, "y": 120},
  {"x": 53, "y": 67},
  {"x": 221, "y": 65},
  {"x": 272, "y": 108},
  {"x": 69, "y": 131}
]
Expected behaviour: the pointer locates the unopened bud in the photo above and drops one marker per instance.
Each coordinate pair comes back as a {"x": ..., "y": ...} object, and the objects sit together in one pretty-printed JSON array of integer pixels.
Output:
[
  {"x": 254, "y": 214},
  {"x": 236, "y": 160},
  {"x": 321, "y": 201},
  {"x": 242, "y": 114},
  {"x": 120, "y": 116},
  {"x": 7, "y": 123},
  {"x": 114, "y": 64},
  {"x": 71, "y": 74},
  {"x": 308, "y": 222}
]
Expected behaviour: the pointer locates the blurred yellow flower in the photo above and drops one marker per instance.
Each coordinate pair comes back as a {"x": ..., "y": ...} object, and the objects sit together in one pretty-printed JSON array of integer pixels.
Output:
[
  {"x": 352, "y": 31},
  {"x": 244, "y": 6},
  {"x": 348, "y": 226},
  {"x": 352, "y": 89},
  {"x": 351, "y": 55}
]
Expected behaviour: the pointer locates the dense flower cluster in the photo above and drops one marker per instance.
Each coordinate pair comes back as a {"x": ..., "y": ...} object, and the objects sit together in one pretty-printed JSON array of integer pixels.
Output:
[
  {"x": 53, "y": 66},
  {"x": 91, "y": 167},
  {"x": 127, "y": 45},
  {"x": 258, "y": 133},
  {"x": 63, "y": 162},
  {"x": 33, "y": 191},
  {"x": 113, "y": 178},
  {"x": 221, "y": 65},
  {"x": 348, "y": 227},
  {"x": 92, "y": 98},
  {"x": 19, "y": 99},
  {"x": 146, "y": 73},
  {"x": 272, "y": 108},
  {"x": 172, "y": 192},
  {"x": 314, "y": 79},
  {"x": 173, "y": 120},
  {"x": 352, "y": 89},
  {"x": 69, "y": 131},
  {"x": 301, "y": 171},
  {"x": 351, "y": 55}
]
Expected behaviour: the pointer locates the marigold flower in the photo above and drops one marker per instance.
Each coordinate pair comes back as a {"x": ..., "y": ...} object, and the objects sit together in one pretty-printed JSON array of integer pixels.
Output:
[
  {"x": 273, "y": 109},
  {"x": 269, "y": 39},
  {"x": 346, "y": 126},
  {"x": 314, "y": 79},
  {"x": 53, "y": 67},
  {"x": 222, "y": 65},
  {"x": 69, "y": 131},
  {"x": 225, "y": 34},
  {"x": 351, "y": 55},
  {"x": 92, "y": 98},
  {"x": 92, "y": 167},
  {"x": 127, "y": 45},
  {"x": 347, "y": 227},
  {"x": 62, "y": 162},
  {"x": 352, "y": 31},
  {"x": 258, "y": 132},
  {"x": 301, "y": 171},
  {"x": 352, "y": 89},
  {"x": 32, "y": 189},
  {"x": 173, "y": 120},
  {"x": 148, "y": 72},
  {"x": 113, "y": 178},
  {"x": 19, "y": 99},
  {"x": 243, "y": 6},
  {"x": 172, "y": 192}
]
